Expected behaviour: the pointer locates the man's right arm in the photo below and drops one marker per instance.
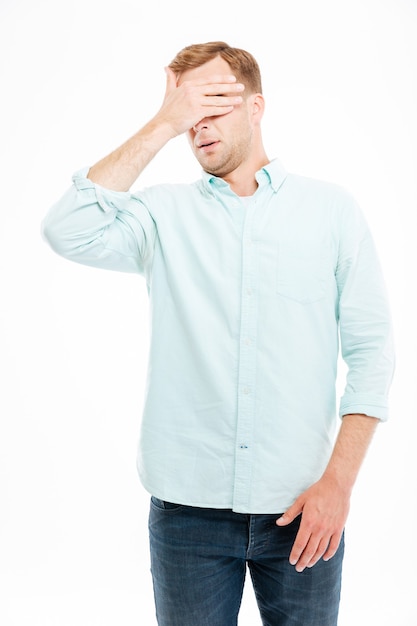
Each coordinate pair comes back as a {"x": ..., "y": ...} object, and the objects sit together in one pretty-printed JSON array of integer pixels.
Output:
[
  {"x": 98, "y": 222},
  {"x": 183, "y": 106},
  {"x": 119, "y": 170}
]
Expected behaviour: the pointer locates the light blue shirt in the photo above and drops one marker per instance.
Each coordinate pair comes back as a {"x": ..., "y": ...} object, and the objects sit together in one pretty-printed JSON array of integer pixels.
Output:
[{"x": 248, "y": 299}]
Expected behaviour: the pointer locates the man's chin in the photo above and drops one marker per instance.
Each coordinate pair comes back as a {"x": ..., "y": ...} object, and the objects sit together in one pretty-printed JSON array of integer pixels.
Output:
[{"x": 216, "y": 169}]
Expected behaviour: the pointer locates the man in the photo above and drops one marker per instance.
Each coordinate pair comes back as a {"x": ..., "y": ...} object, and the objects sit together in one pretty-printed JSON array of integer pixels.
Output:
[{"x": 252, "y": 273}]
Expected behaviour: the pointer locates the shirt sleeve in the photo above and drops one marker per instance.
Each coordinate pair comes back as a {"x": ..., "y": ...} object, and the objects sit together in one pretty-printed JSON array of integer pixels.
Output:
[
  {"x": 365, "y": 321},
  {"x": 102, "y": 228}
]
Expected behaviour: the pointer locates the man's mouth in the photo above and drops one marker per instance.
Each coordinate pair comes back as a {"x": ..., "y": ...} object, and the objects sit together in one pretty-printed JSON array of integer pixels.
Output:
[{"x": 206, "y": 145}]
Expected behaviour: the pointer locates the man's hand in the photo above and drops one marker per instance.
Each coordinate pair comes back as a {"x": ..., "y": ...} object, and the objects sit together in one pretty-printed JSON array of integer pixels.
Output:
[
  {"x": 189, "y": 101},
  {"x": 324, "y": 508},
  {"x": 185, "y": 104}
]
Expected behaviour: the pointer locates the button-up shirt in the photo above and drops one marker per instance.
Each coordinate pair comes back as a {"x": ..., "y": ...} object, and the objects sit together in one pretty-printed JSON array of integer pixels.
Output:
[{"x": 249, "y": 300}]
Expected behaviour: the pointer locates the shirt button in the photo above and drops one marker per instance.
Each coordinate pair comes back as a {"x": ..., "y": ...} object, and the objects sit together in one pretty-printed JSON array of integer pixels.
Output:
[
  {"x": 247, "y": 341},
  {"x": 246, "y": 390},
  {"x": 249, "y": 291}
]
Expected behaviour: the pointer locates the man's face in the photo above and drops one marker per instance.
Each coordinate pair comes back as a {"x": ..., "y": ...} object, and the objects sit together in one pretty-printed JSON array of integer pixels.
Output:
[{"x": 224, "y": 142}]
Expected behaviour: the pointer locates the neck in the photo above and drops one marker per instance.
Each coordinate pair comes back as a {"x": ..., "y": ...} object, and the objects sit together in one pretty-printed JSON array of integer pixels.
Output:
[{"x": 242, "y": 180}]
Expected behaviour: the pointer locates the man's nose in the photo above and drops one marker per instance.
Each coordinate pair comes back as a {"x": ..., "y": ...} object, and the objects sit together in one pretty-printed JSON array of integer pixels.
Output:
[{"x": 200, "y": 125}]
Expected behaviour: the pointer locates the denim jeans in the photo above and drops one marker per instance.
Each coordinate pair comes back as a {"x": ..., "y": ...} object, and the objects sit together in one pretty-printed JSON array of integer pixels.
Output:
[{"x": 199, "y": 559}]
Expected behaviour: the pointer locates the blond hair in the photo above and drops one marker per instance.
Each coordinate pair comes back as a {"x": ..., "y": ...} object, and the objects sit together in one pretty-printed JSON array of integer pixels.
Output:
[{"x": 242, "y": 63}]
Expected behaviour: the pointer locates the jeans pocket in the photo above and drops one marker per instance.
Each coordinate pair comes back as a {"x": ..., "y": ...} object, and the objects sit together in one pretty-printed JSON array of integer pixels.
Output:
[
  {"x": 301, "y": 272},
  {"x": 163, "y": 505}
]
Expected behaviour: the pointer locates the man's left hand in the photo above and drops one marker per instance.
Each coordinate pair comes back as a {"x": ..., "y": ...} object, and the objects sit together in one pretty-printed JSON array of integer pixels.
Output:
[{"x": 324, "y": 508}]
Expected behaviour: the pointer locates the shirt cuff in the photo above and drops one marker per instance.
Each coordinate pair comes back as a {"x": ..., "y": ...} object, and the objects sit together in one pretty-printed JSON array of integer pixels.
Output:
[
  {"x": 107, "y": 199},
  {"x": 376, "y": 406}
]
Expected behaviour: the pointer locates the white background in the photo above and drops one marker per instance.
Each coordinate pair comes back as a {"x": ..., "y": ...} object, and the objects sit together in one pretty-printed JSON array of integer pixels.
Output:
[{"x": 78, "y": 78}]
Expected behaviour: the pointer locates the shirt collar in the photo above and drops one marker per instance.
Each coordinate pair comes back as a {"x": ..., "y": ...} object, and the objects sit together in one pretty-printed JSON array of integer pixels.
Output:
[{"x": 273, "y": 174}]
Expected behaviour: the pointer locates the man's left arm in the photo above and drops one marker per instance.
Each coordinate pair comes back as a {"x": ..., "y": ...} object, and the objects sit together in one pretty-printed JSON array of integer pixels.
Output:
[
  {"x": 324, "y": 507},
  {"x": 367, "y": 349}
]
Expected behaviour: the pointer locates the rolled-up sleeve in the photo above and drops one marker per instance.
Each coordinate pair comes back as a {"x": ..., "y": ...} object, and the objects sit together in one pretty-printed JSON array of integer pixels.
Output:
[
  {"x": 99, "y": 227},
  {"x": 365, "y": 321}
]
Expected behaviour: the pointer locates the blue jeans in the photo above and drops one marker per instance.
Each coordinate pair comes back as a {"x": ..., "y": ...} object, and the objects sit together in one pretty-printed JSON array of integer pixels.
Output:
[{"x": 198, "y": 562}]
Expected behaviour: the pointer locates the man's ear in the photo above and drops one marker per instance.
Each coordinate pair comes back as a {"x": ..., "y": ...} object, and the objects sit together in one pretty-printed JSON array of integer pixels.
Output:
[{"x": 258, "y": 107}]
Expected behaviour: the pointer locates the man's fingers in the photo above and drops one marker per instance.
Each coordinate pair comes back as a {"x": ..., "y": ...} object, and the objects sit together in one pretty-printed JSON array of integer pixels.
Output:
[
  {"x": 215, "y": 102},
  {"x": 222, "y": 89},
  {"x": 300, "y": 548},
  {"x": 307, "y": 552},
  {"x": 309, "y": 547},
  {"x": 212, "y": 86},
  {"x": 332, "y": 547},
  {"x": 290, "y": 514},
  {"x": 304, "y": 548},
  {"x": 321, "y": 549},
  {"x": 215, "y": 79}
]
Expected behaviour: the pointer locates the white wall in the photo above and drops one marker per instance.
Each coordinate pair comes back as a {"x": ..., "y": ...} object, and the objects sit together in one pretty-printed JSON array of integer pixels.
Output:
[{"x": 77, "y": 78}]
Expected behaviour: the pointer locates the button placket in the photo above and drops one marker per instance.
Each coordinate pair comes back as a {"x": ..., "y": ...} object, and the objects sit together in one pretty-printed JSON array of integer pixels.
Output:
[{"x": 247, "y": 369}]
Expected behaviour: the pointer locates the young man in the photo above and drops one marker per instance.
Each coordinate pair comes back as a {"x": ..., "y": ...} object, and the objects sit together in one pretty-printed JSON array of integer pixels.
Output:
[{"x": 252, "y": 274}]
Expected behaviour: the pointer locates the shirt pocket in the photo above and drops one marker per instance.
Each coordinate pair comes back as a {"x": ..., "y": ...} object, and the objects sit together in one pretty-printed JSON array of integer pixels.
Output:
[{"x": 301, "y": 271}]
